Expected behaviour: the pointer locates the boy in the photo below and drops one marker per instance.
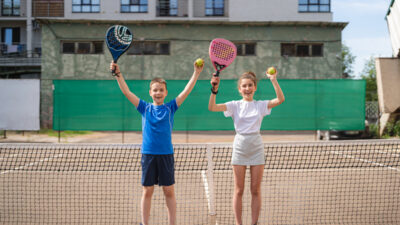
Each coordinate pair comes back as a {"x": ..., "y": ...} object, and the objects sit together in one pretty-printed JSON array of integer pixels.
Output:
[{"x": 157, "y": 151}]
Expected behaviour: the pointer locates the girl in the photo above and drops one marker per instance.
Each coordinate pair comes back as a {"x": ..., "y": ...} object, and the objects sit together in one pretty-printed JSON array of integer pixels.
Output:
[{"x": 248, "y": 149}]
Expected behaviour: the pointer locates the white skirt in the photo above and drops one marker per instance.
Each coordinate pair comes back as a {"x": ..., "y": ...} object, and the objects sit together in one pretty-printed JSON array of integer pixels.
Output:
[{"x": 248, "y": 150}]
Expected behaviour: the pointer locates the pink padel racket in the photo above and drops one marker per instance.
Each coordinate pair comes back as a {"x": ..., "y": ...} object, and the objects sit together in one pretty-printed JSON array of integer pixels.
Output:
[{"x": 222, "y": 53}]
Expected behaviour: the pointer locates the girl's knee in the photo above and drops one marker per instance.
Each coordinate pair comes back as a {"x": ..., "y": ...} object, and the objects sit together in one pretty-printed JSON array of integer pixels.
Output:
[
  {"x": 239, "y": 191},
  {"x": 255, "y": 191}
]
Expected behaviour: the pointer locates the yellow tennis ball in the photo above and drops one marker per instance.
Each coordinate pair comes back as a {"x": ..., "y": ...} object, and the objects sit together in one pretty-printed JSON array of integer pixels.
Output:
[
  {"x": 199, "y": 62},
  {"x": 271, "y": 70}
]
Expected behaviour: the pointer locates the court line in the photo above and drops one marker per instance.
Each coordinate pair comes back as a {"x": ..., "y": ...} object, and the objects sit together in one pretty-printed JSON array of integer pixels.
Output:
[
  {"x": 31, "y": 164},
  {"x": 367, "y": 161}
]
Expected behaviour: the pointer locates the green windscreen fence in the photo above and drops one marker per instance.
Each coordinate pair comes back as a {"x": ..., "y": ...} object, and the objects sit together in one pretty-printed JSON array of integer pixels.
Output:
[{"x": 309, "y": 105}]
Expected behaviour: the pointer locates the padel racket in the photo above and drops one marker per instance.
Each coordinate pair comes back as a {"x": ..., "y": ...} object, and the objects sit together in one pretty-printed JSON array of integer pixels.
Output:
[
  {"x": 222, "y": 53},
  {"x": 118, "y": 39}
]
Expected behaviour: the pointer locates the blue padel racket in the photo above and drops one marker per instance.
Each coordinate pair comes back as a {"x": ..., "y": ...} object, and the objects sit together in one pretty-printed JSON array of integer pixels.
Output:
[{"x": 118, "y": 39}]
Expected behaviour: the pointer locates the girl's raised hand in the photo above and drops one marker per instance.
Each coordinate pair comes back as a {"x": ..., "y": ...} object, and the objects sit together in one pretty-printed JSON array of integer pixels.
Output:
[{"x": 214, "y": 82}]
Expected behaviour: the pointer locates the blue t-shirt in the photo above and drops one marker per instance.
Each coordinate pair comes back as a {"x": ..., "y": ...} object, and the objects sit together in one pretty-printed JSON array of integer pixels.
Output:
[{"x": 157, "y": 123}]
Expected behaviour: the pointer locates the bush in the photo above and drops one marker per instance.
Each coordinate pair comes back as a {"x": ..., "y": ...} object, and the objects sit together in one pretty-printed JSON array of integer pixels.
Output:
[
  {"x": 396, "y": 128},
  {"x": 374, "y": 131},
  {"x": 392, "y": 129}
]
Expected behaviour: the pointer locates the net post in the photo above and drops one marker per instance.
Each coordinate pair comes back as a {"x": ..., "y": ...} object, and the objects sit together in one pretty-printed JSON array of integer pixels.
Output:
[{"x": 210, "y": 183}]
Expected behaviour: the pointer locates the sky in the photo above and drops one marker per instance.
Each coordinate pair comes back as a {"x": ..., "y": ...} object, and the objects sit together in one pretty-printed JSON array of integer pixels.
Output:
[{"x": 367, "y": 33}]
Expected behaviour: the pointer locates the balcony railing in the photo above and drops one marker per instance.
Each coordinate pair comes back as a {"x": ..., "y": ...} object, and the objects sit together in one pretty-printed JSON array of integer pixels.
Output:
[
  {"x": 47, "y": 8},
  {"x": 16, "y": 55},
  {"x": 172, "y": 8}
]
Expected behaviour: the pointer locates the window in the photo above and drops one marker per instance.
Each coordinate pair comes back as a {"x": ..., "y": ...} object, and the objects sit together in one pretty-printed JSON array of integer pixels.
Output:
[
  {"x": 136, "y": 6},
  {"x": 10, "y": 7},
  {"x": 47, "y": 8},
  {"x": 246, "y": 48},
  {"x": 82, "y": 47},
  {"x": 85, "y": 6},
  {"x": 149, "y": 48},
  {"x": 10, "y": 41},
  {"x": 168, "y": 7},
  {"x": 301, "y": 49},
  {"x": 68, "y": 48},
  {"x": 215, "y": 7},
  {"x": 10, "y": 35},
  {"x": 314, "y": 5}
]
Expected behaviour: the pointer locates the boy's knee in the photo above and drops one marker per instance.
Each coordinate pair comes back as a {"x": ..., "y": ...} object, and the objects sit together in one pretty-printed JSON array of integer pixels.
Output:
[
  {"x": 169, "y": 191},
  {"x": 148, "y": 191}
]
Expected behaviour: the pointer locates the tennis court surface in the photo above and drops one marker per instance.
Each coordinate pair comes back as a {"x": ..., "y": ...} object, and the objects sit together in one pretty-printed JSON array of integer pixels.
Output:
[{"x": 355, "y": 182}]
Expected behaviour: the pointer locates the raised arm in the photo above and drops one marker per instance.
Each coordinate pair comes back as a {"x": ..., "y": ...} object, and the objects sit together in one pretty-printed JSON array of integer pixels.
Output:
[
  {"x": 212, "y": 106},
  {"x": 189, "y": 86},
  {"x": 123, "y": 86},
  {"x": 279, "y": 94}
]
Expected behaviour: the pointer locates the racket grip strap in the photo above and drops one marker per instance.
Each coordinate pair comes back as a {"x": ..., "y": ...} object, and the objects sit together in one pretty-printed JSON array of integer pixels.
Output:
[
  {"x": 214, "y": 92},
  {"x": 115, "y": 74}
]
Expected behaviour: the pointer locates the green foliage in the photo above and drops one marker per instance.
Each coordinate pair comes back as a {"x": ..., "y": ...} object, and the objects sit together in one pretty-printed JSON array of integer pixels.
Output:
[
  {"x": 374, "y": 130},
  {"x": 392, "y": 129},
  {"x": 396, "y": 128},
  {"x": 369, "y": 75},
  {"x": 347, "y": 62}
]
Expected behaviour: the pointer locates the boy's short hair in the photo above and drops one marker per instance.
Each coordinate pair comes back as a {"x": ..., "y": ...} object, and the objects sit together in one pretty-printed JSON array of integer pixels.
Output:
[{"x": 158, "y": 80}]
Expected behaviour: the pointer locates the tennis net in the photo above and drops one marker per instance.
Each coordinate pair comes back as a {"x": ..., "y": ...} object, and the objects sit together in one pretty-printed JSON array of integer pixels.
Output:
[{"x": 303, "y": 183}]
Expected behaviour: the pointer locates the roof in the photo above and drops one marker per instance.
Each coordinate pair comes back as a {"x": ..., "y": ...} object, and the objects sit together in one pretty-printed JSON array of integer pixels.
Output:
[
  {"x": 341, "y": 25},
  {"x": 390, "y": 6}
]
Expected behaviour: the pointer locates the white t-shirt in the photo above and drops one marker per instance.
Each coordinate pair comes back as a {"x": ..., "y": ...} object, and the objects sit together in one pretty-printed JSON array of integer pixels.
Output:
[{"x": 247, "y": 116}]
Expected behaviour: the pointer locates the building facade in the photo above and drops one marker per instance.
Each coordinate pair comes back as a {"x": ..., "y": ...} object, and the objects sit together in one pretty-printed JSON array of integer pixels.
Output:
[
  {"x": 393, "y": 22},
  {"x": 296, "y": 36},
  {"x": 388, "y": 72}
]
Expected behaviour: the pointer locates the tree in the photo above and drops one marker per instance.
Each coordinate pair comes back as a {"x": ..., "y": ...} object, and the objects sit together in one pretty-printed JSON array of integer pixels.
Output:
[
  {"x": 369, "y": 74},
  {"x": 347, "y": 62}
]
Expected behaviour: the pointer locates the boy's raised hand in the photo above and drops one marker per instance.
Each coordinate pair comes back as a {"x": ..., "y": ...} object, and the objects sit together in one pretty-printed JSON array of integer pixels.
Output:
[
  {"x": 197, "y": 68},
  {"x": 114, "y": 67}
]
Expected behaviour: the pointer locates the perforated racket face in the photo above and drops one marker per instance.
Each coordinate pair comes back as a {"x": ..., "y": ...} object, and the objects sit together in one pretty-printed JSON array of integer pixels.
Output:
[
  {"x": 118, "y": 39},
  {"x": 222, "y": 53}
]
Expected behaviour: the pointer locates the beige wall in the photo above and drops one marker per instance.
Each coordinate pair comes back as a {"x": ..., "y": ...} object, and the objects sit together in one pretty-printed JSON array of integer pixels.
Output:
[{"x": 388, "y": 81}]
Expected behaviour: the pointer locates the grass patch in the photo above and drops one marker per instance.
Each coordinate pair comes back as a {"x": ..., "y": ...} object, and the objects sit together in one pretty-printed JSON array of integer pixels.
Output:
[{"x": 66, "y": 133}]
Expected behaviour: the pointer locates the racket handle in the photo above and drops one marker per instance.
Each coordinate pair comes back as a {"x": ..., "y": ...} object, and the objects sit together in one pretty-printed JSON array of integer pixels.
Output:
[
  {"x": 215, "y": 75},
  {"x": 113, "y": 72}
]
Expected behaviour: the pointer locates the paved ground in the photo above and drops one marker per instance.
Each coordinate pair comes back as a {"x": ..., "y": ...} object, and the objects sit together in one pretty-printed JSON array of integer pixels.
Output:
[{"x": 136, "y": 137}]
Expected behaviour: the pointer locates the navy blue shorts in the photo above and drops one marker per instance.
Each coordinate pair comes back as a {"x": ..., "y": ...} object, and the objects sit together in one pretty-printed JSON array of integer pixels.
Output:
[{"x": 158, "y": 169}]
